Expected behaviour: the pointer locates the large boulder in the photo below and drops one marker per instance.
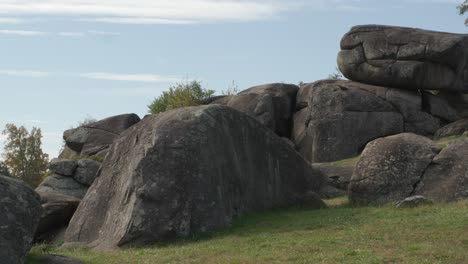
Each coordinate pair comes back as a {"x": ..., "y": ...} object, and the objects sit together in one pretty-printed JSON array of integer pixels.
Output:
[
  {"x": 95, "y": 138},
  {"x": 453, "y": 129},
  {"x": 186, "y": 171},
  {"x": 390, "y": 168},
  {"x": 20, "y": 211},
  {"x": 86, "y": 171},
  {"x": 446, "y": 178},
  {"x": 405, "y": 58},
  {"x": 271, "y": 104},
  {"x": 63, "y": 167},
  {"x": 57, "y": 212},
  {"x": 64, "y": 185},
  {"x": 336, "y": 119}
]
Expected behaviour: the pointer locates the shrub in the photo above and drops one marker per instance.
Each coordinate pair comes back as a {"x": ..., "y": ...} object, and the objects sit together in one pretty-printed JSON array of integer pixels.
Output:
[{"x": 180, "y": 95}]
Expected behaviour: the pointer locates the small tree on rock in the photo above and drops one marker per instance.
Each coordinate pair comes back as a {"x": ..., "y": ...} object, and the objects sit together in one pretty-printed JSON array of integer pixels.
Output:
[
  {"x": 462, "y": 9},
  {"x": 23, "y": 154}
]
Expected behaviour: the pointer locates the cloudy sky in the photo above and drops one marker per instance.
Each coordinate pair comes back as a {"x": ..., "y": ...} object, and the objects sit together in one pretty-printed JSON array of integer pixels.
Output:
[{"x": 64, "y": 60}]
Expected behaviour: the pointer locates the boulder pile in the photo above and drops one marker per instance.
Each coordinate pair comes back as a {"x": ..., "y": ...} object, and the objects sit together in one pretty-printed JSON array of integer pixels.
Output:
[{"x": 191, "y": 170}]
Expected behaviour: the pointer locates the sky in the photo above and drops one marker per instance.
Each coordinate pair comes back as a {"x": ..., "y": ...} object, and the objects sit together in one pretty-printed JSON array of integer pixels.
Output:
[{"x": 62, "y": 61}]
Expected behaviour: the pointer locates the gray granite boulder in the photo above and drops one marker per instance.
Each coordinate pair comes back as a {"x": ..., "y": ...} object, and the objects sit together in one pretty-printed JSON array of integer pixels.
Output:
[
  {"x": 405, "y": 58},
  {"x": 390, "y": 168},
  {"x": 271, "y": 104},
  {"x": 336, "y": 119},
  {"x": 63, "y": 167},
  {"x": 63, "y": 185},
  {"x": 95, "y": 138},
  {"x": 186, "y": 171},
  {"x": 453, "y": 129},
  {"x": 57, "y": 212},
  {"x": 86, "y": 171},
  {"x": 20, "y": 211},
  {"x": 446, "y": 178}
]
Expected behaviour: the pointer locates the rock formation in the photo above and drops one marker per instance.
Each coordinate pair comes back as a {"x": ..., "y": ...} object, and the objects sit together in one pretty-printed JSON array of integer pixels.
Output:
[
  {"x": 390, "y": 168},
  {"x": 191, "y": 170},
  {"x": 95, "y": 138},
  {"x": 393, "y": 168},
  {"x": 70, "y": 177},
  {"x": 20, "y": 213},
  {"x": 405, "y": 58},
  {"x": 271, "y": 104},
  {"x": 57, "y": 212}
]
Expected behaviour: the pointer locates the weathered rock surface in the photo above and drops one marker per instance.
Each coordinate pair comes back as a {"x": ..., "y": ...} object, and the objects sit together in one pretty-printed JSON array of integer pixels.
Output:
[
  {"x": 20, "y": 211},
  {"x": 57, "y": 212},
  {"x": 63, "y": 185},
  {"x": 63, "y": 167},
  {"x": 336, "y": 119},
  {"x": 86, "y": 171},
  {"x": 405, "y": 58},
  {"x": 390, "y": 168},
  {"x": 440, "y": 107},
  {"x": 186, "y": 171},
  {"x": 453, "y": 129},
  {"x": 271, "y": 104},
  {"x": 95, "y": 138},
  {"x": 413, "y": 201},
  {"x": 446, "y": 178}
]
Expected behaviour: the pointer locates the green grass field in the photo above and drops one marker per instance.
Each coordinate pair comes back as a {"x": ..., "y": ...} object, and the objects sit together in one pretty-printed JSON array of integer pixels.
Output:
[{"x": 340, "y": 234}]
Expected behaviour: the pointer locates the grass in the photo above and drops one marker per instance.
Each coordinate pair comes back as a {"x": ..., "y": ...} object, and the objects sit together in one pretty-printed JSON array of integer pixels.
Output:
[{"x": 340, "y": 234}]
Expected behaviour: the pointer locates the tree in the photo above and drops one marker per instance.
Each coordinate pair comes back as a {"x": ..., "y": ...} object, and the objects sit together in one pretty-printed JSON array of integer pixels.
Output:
[
  {"x": 462, "y": 9},
  {"x": 23, "y": 154},
  {"x": 180, "y": 95},
  {"x": 4, "y": 169}
]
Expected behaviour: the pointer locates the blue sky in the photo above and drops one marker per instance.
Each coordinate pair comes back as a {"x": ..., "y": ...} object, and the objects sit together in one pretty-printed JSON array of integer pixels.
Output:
[{"x": 64, "y": 60}]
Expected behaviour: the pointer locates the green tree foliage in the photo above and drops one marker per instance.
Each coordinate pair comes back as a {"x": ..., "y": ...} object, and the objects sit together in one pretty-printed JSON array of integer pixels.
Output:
[
  {"x": 23, "y": 154},
  {"x": 462, "y": 9},
  {"x": 4, "y": 169},
  {"x": 180, "y": 95}
]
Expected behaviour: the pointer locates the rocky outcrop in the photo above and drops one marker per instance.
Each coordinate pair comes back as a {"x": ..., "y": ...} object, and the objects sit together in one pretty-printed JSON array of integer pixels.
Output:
[
  {"x": 70, "y": 177},
  {"x": 453, "y": 129},
  {"x": 446, "y": 178},
  {"x": 405, "y": 58},
  {"x": 95, "y": 138},
  {"x": 390, "y": 168},
  {"x": 393, "y": 168},
  {"x": 187, "y": 171},
  {"x": 20, "y": 213},
  {"x": 57, "y": 212},
  {"x": 271, "y": 104},
  {"x": 336, "y": 119}
]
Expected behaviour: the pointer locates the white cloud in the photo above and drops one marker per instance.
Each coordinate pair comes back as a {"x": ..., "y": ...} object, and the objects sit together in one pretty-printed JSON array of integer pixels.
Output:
[
  {"x": 11, "y": 20},
  {"x": 160, "y": 11},
  {"x": 139, "y": 20},
  {"x": 35, "y": 74},
  {"x": 103, "y": 33},
  {"x": 71, "y": 34},
  {"x": 22, "y": 32},
  {"x": 148, "y": 78}
]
